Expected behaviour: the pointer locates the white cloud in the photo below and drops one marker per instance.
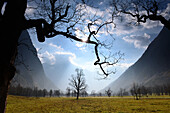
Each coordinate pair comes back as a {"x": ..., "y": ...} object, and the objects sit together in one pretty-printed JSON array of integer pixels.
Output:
[
  {"x": 93, "y": 11},
  {"x": 83, "y": 49},
  {"x": 89, "y": 66},
  {"x": 151, "y": 24},
  {"x": 50, "y": 58},
  {"x": 124, "y": 65},
  {"x": 55, "y": 46},
  {"x": 30, "y": 10},
  {"x": 166, "y": 12},
  {"x": 97, "y": 17},
  {"x": 81, "y": 35},
  {"x": 83, "y": 65},
  {"x": 47, "y": 57},
  {"x": 123, "y": 28},
  {"x": 79, "y": 44},
  {"x": 71, "y": 57},
  {"x": 138, "y": 41}
]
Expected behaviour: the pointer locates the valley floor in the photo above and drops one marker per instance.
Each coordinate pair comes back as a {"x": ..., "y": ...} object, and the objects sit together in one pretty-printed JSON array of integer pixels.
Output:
[{"x": 19, "y": 104}]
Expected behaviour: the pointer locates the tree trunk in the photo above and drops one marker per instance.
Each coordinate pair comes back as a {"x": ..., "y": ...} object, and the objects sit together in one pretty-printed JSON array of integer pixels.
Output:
[
  {"x": 11, "y": 26},
  {"x": 77, "y": 95},
  {"x": 137, "y": 97},
  {"x": 7, "y": 58},
  {"x": 3, "y": 96},
  {"x": 7, "y": 73}
]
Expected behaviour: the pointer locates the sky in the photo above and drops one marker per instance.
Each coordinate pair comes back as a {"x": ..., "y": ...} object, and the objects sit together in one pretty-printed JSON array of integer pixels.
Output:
[{"x": 60, "y": 56}]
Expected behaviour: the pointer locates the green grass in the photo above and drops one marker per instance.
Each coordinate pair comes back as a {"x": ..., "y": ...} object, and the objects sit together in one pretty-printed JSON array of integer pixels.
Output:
[{"x": 18, "y": 104}]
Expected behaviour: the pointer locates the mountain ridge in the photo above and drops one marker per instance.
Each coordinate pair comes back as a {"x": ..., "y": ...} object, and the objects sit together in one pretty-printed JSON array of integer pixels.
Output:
[
  {"x": 30, "y": 72},
  {"x": 154, "y": 62}
]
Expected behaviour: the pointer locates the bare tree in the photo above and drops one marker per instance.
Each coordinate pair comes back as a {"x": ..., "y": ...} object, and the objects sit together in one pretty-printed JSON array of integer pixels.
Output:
[
  {"x": 99, "y": 94},
  {"x": 68, "y": 91},
  {"x": 35, "y": 92},
  {"x": 144, "y": 91},
  {"x": 84, "y": 93},
  {"x": 78, "y": 82},
  {"x": 122, "y": 92},
  {"x": 57, "y": 93},
  {"x": 142, "y": 10},
  {"x": 73, "y": 93},
  {"x": 51, "y": 92},
  {"x": 44, "y": 92},
  {"x": 93, "y": 93},
  {"x": 50, "y": 18},
  {"x": 136, "y": 91},
  {"x": 109, "y": 92}
]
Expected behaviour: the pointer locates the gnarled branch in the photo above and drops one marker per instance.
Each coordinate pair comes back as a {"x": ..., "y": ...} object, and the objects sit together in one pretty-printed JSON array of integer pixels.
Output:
[{"x": 132, "y": 7}]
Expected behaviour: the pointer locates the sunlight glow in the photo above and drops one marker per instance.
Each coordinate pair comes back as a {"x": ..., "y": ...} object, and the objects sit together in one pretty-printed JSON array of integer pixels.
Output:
[{"x": 84, "y": 39}]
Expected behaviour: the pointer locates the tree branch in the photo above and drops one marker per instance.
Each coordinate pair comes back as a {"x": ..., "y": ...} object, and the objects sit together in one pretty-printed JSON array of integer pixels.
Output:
[{"x": 151, "y": 7}]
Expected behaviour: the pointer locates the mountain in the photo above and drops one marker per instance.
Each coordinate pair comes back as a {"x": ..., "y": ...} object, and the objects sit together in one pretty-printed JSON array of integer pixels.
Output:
[
  {"x": 30, "y": 72},
  {"x": 153, "y": 68}
]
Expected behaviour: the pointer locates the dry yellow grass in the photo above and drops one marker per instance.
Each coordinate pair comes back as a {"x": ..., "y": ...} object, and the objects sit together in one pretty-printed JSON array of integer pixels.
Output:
[{"x": 18, "y": 104}]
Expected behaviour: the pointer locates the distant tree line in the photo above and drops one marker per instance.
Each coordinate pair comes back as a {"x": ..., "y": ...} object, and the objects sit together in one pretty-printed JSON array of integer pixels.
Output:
[
  {"x": 72, "y": 93},
  {"x": 140, "y": 90},
  {"x": 136, "y": 90},
  {"x": 33, "y": 92}
]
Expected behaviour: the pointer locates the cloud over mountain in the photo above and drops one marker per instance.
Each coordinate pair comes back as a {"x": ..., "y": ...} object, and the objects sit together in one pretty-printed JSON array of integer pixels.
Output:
[{"x": 138, "y": 40}]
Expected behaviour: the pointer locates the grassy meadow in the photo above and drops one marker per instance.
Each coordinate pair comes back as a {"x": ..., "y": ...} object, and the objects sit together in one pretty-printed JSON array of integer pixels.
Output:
[{"x": 19, "y": 104}]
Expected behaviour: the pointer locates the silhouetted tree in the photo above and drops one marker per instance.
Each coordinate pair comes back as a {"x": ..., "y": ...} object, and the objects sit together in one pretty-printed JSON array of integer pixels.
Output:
[
  {"x": 44, "y": 92},
  {"x": 51, "y": 92},
  {"x": 99, "y": 94},
  {"x": 68, "y": 91},
  {"x": 78, "y": 82},
  {"x": 19, "y": 89},
  {"x": 57, "y": 93},
  {"x": 108, "y": 92},
  {"x": 84, "y": 93},
  {"x": 48, "y": 18},
  {"x": 167, "y": 89},
  {"x": 73, "y": 93},
  {"x": 35, "y": 92},
  {"x": 136, "y": 91},
  {"x": 93, "y": 93},
  {"x": 144, "y": 91},
  {"x": 122, "y": 92},
  {"x": 149, "y": 89},
  {"x": 26, "y": 91},
  {"x": 142, "y": 10},
  {"x": 40, "y": 93}
]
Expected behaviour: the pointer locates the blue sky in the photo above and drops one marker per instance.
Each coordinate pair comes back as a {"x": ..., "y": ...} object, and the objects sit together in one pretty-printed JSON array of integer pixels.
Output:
[{"x": 60, "y": 56}]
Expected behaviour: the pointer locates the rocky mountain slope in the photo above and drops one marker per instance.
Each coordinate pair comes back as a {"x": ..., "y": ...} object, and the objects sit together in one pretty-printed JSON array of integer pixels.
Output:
[
  {"x": 30, "y": 72},
  {"x": 153, "y": 68}
]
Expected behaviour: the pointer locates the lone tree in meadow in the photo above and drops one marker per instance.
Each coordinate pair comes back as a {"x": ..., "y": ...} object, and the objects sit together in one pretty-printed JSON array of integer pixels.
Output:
[
  {"x": 78, "y": 82},
  {"x": 108, "y": 92},
  {"x": 136, "y": 91}
]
